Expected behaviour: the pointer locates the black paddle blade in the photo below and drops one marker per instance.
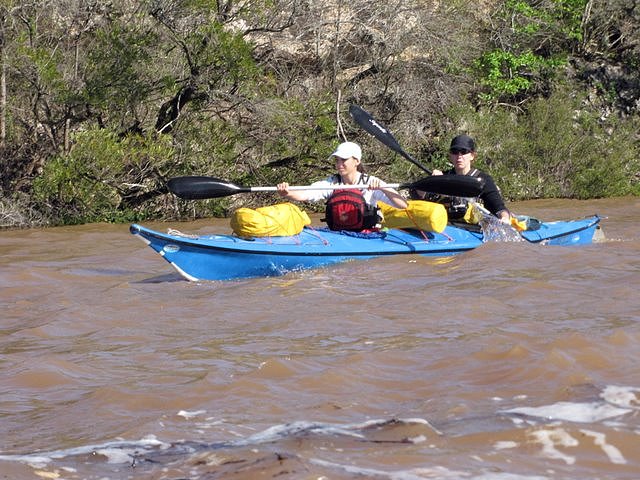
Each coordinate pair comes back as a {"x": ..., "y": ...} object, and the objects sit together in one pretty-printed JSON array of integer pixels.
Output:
[
  {"x": 370, "y": 125},
  {"x": 452, "y": 185},
  {"x": 375, "y": 128},
  {"x": 198, "y": 187}
]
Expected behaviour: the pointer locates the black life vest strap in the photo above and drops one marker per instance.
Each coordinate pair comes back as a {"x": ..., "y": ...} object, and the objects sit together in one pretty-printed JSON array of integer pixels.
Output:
[{"x": 364, "y": 178}]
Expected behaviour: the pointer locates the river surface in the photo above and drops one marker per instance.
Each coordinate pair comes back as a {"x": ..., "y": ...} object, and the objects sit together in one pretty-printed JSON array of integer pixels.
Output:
[{"x": 510, "y": 362}]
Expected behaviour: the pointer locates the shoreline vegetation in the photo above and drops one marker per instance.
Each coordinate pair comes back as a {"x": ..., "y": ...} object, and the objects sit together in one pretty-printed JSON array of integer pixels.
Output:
[{"x": 101, "y": 104}]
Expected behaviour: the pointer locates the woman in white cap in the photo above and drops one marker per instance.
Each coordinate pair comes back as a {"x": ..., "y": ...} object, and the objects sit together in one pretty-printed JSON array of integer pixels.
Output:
[
  {"x": 349, "y": 209},
  {"x": 348, "y": 158}
]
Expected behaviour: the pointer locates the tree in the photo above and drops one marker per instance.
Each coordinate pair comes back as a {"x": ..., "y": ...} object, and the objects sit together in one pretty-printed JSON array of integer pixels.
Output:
[
  {"x": 529, "y": 44},
  {"x": 610, "y": 55}
]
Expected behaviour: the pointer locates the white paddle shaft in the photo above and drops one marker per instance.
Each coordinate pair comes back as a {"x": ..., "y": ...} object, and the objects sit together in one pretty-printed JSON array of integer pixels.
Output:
[{"x": 360, "y": 186}]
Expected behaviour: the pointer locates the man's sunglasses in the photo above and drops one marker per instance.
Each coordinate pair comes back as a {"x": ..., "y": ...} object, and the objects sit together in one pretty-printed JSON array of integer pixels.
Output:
[{"x": 462, "y": 151}]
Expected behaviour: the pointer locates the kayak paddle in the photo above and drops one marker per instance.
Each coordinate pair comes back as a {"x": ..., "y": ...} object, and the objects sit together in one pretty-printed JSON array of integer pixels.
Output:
[
  {"x": 201, "y": 187},
  {"x": 370, "y": 125},
  {"x": 375, "y": 128}
]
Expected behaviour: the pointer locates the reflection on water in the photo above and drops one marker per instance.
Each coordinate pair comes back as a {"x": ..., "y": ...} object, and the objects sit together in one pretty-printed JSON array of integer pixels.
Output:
[{"x": 510, "y": 361}]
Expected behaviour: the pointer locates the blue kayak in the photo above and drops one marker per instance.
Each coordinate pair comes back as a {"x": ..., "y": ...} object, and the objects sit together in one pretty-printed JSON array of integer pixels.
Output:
[{"x": 227, "y": 257}]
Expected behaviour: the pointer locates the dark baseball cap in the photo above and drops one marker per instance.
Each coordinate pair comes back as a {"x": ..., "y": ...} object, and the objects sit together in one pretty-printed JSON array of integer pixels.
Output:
[{"x": 463, "y": 141}]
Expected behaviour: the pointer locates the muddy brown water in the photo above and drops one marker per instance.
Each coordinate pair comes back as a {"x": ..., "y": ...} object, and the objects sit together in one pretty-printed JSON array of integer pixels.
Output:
[{"x": 512, "y": 361}]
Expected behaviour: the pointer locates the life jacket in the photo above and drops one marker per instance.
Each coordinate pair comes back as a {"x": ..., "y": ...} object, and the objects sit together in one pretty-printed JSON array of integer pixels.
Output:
[
  {"x": 347, "y": 209},
  {"x": 459, "y": 208}
]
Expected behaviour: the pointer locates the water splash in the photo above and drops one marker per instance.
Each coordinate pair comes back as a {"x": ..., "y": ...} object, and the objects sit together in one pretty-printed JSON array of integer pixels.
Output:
[{"x": 493, "y": 229}]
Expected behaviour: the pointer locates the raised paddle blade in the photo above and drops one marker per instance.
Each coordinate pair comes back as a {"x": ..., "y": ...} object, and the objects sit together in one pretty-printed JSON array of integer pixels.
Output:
[
  {"x": 199, "y": 187},
  {"x": 452, "y": 185},
  {"x": 375, "y": 128}
]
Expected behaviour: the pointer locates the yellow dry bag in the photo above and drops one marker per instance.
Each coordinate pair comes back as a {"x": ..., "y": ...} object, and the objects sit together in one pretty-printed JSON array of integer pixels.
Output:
[
  {"x": 426, "y": 216},
  {"x": 279, "y": 220},
  {"x": 473, "y": 214}
]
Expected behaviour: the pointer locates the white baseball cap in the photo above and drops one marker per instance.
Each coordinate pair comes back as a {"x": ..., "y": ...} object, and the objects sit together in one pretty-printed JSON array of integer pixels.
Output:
[{"x": 348, "y": 150}]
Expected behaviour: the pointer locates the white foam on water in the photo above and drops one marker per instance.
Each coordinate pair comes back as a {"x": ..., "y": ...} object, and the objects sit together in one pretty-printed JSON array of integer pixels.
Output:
[
  {"x": 188, "y": 415},
  {"x": 505, "y": 445},
  {"x": 550, "y": 438},
  {"x": 617, "y": 401},
  {"x": 43, "y": 474},
  {"x": 116, "y": 452},
  {"x": 573, "y": 412},
  {"x": 507, "y": 476},
  {"x": 615, "y": 456},
  {"x": 278, "y": 432},
  {"x": 423, "y": 473},
  {"x": 412, "y": 474},
  {"x": 626, "y": 397},
  {"x": 418, "y": 439},
  {"x": 117, "y": 455},
  {"x": 34, "y": 461}
]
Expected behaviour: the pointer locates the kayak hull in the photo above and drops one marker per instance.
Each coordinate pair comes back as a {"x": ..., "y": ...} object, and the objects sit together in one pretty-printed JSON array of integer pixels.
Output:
[
  {"x": 227, "y": 257},
  {"x": 564, "y": 233}
]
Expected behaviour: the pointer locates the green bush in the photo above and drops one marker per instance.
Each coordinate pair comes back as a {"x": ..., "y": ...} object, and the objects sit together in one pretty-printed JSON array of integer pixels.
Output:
[
  {"x": 531, "y": 44},
  {"x": 100, "y": 178},
  {"x": 505, "y": 74},
  {"x": 557, "y": 148}
]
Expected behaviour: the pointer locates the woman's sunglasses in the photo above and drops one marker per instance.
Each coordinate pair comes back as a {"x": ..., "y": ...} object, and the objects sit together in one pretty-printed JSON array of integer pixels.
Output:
[{"x": 462, "y": 151}]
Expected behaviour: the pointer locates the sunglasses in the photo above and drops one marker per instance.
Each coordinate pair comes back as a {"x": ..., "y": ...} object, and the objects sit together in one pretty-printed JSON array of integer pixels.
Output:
[{"x": 462, "y": 151}]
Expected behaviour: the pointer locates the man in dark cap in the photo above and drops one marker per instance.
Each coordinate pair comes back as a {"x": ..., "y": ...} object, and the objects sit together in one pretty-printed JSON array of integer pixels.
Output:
[{"x": 462, "y": 153}]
